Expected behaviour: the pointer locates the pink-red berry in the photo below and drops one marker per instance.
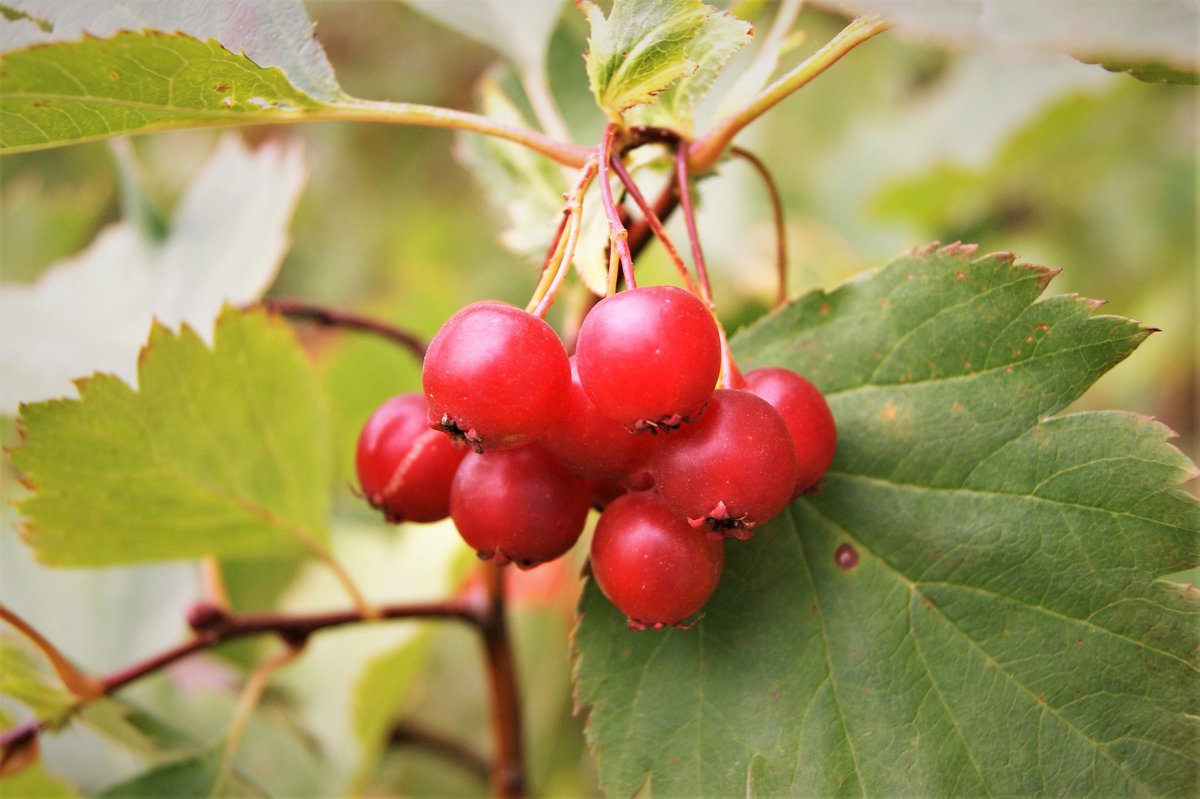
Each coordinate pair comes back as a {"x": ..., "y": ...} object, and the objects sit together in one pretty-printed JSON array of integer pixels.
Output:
[{"x": 807, "y": 415}]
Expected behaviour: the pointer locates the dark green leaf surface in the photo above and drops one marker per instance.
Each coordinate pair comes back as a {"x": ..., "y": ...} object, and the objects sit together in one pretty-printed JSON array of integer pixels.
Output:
[
  {"x": 220, "y": 452},
  {"x": 1004, "y": 631},
  {"x": 135, "y": 82}
]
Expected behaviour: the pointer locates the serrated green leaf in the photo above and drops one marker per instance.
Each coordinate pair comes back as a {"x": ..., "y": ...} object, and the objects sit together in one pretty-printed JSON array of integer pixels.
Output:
[
  {"x": 718, "y": 39},
  {"x": 219, "y": 452},
  {"x": 1148, "y": 30},
  {"x": 271, "y": 33},
  {"x": 640, "y": 49},
  {"x": 1004, "y": 631},
  {"x": 135, "y": 82}
]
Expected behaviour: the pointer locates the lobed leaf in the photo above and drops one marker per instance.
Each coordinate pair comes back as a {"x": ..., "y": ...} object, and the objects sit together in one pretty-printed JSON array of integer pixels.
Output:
[
  {"x": 133, "y": 82},
  {"x": 640, "y": 49},
  {"x": 219, "y": 452},
  {"x": 1005, "y": 630}
]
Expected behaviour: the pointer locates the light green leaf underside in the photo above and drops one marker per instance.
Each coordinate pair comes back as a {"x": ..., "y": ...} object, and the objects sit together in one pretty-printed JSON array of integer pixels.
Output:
[
  {"x": 519, "y": 30},
  {"x": 1004, "y": 633},
  {"x": 219, "y": 452},
  {"x": 640, "y": 49},
  {"x": 135, "y": 82},
  {"x": 721, "y": 36}
]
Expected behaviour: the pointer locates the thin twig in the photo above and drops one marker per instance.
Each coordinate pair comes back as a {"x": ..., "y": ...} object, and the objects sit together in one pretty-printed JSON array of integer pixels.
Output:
[
  {"x": 330, "y": 317},
  {"x": 781, "y": 288},
  {"x": 619, "y": 237},
  {"x": 689, "y": 220},
  {"x": 508, "y": 772},
  {"x": 655, "y": 224},
  {"x": 408, "y": 734}
]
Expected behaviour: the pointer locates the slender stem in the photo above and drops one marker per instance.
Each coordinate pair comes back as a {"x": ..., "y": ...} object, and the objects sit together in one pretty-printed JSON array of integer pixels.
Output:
[
  {"x": 708, "y": 148},
  {"x": 558, "y": 263},
  {"x": 81, "y": 685},
  {"x": 508, "y": 773},
  {"x": 689, "y": 221},
  {"x": 781, "y": 289},
  {"x": 247, "y": 701},
  {"x": 655, "y": 224},
  {"x": 551, "y": 262},
  {"x": 563, "y": 152},
  {"x": 534, "y": 79},
  {"x": 330, "y": 317},
  {"x": 405, "y": 734},
  {"x": 213, "y": 581},
  {"x": 619, "y": 238}
]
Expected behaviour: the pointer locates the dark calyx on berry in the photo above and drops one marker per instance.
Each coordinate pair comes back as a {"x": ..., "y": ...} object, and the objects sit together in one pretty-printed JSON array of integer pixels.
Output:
[{"x": 459, "y": 437}]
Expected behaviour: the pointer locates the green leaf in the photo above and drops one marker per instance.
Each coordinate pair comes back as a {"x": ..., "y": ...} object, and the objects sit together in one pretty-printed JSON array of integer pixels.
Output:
[
  {"x": 1154, "y": 73},
  {"x": 25, "y": 677},
  {"x": 1004, "y": 631},
  {"x": 189, "y": 777},
  {"x": 1148, "y": 30},
  {"x": 640, "y": 49},
  {"x": 271, "y": 33},
  {"x": 220, "y": 452},
  {"x": 223, "y": 243},
  {"x": 135, "y": 82},
  {"x": 721, "y": 36}
]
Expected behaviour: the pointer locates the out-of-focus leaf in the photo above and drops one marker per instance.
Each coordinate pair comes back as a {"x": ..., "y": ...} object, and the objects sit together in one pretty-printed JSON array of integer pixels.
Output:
[
  {"x": 1154, "y": 73},
  {"x": 270, "y": 33},
  {"x": 518, "y": 29},
  {"x": 1146, "y": 31},
  {"x": 91, "y": 313},
  {"x": 527, "y": 187},
  {"x": 30, "y": 779},
  {"x": 25, "y": 677},
  {"x": 1001, "y": 627},
  {"x": 221, "y": 452},
  {"x": 188, "y": 778},
  {"x": 640, "y": 49},
  {"x": 718, "y": 39}
]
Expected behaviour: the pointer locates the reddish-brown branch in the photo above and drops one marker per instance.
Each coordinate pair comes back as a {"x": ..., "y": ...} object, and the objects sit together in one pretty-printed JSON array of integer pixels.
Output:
[
  {"x": 781, "y": 288},
  {"x": 508, "y": 771},
  {"x": 330, "y": 317}
]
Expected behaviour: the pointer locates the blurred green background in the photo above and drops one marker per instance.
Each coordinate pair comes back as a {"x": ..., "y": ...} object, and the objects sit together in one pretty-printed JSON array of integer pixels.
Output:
[{"x": 898, "y": 145}]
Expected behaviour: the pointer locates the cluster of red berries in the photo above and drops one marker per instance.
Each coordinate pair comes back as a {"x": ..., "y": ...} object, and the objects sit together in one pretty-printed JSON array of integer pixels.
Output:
[{"x": 630, "y": 424}]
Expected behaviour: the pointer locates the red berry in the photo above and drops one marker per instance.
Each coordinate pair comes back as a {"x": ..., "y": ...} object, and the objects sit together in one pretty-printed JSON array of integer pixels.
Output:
[
  {"x": 732, "y": 469},
  {"x": 405, "y": 468},
  {"x": 591, "y": 444},
  {"x": 495, "y": 376},
  {"x": 652, "y": 565},
  {"x": 807, "y": 416},
  {"x": 518, "y": 505},
  {"x": 649, "y": 357}
]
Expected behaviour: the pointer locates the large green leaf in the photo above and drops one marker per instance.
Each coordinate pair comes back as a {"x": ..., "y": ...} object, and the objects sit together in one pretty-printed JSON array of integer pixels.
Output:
[
  {"x": 220, "y": 452},
  {"x": 1004, "y": 631},
  {"x": 135, "y": 82},
  {"x": 1153, "y": 31}
]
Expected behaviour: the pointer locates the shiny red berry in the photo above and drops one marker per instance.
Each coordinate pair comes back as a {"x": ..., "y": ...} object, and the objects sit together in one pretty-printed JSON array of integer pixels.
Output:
[
  {"x": 731, "y": 470},
  {"x": 519, "y": 505},
  {"x": 405, "y": 468},
  {"x": 651, "y": 564},
  {"x": 649, "y": 357},
  {"x": 591, "y": 444},
  {"x": 495, "y": 376},
  {"x": 807, "y": 415}
]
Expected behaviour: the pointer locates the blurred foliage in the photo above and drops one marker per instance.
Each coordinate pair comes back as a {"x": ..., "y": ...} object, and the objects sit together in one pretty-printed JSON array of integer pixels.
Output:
[{"x": 1061, "y": 162}]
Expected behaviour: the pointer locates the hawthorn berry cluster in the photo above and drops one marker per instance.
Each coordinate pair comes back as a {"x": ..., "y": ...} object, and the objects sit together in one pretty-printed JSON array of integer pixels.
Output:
[{"x": 631, "y": 424}]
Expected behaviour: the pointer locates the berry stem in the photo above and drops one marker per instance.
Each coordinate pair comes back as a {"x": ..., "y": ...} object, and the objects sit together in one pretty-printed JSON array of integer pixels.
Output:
[
  {"x": 781, "y": 290},
  {"x": 84, "y": 687},
  {"x": 619, "y": 238},
  {"x": 330, "y": 317},
  {"x": 558, "y": 261},
  {"x": 689, "y": 221},
  {"x": 655, "y": 224},
  {"x": 708, "y": 148}
]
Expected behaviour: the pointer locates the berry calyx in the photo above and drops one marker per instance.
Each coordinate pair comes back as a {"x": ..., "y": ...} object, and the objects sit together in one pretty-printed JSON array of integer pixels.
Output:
[
  {"x": 405, "y": 468},
  {"x": 495, "y": 376},
  {"x": 650, "y": 564},
  {"x": 520, "y": 505},
  {"x": 731, "y": 470},
  {"x": 591, "y": 444},
  {"x": 649, "y": 357},
  {"x": 807, "y": 415}
]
